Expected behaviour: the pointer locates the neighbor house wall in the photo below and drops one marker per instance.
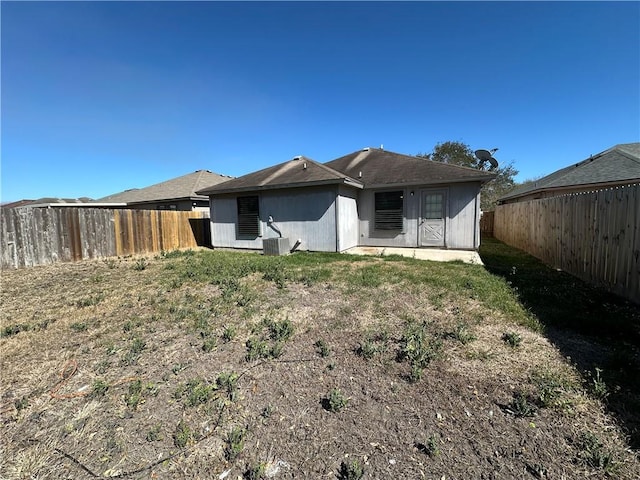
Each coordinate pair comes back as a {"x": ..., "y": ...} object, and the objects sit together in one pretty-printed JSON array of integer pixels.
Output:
[{"x": 308, "y": 214}]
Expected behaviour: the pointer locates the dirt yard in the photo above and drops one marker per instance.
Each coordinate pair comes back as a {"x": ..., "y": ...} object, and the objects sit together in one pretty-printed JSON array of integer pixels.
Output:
[{"x": 216, "y": 365}]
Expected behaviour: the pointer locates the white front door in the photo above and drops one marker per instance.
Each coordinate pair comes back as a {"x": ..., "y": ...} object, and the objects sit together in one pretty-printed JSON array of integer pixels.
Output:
[{"x": 433, "y": 219}]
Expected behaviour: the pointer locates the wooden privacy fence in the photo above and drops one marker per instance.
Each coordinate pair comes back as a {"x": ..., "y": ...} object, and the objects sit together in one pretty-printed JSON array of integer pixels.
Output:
[
  {"x": 486, "y": 223},
  {"x": 38, "y": 236},
  {"x": 594, "y": 235}
]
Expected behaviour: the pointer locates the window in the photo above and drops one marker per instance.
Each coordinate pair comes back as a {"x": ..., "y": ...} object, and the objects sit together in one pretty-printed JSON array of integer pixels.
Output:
[
  {"x": 248, "y": 217},
  {"x": 388, "y": 210}
]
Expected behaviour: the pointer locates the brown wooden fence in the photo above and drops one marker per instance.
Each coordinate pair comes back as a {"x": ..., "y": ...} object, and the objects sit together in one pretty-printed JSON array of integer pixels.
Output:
[
  {"x": 38, "y": 236},
  {"x": 486, "y": 223},
  {"x": 594, "y": 235}
]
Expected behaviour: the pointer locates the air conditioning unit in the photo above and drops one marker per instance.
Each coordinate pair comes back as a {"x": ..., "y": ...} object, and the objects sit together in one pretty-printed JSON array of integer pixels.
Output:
[{"x": 275, "y": 246}]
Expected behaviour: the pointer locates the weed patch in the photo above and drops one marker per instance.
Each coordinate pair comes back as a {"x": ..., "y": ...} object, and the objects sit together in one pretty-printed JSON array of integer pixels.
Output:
[
  {"x": 462, "y": 333},
  {"x": 234, "y": 443},
  {"x": 593, "y": 453},
  {"x": 322, "y": 348},
  {"x": 419, "y": 348},
  {"x": 335, "y": 401},
  {"x": 350, "y": 470},
  {"x": 195, "y": 392},
  {"x": 430, "y": 447},
  {"x": 512, "y": 339},
  {"x": 183, "y": 435},
  {"x": 521, "y": 406}
]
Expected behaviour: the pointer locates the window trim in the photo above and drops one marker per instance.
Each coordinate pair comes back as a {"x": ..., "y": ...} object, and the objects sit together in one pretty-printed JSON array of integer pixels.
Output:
[{"x": 402, "y": 220}]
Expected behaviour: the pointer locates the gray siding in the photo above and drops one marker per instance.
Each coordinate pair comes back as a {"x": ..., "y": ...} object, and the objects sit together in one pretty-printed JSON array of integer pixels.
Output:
[
  {"x": 462, "y": 222},
  {"x": 307, "y": 214},
  {"x": 347, "y": 214},
  {"x": 409, "y": 235},
  {"x": 463, "y": 228},
  {"x": 311, "y": 215}
]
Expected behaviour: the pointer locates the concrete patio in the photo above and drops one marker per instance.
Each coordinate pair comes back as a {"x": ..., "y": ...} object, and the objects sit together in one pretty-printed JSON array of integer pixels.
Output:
[{"x": 433, "y": 254}]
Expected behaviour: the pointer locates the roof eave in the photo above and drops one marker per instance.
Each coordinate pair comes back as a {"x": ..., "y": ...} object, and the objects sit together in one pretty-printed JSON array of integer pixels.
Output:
[
  {"x": 480, "y": 180},
  {"x": 257, "y": 188},
  {"x": 203, "y": 198},
  {"x": 596, "y": 185}
]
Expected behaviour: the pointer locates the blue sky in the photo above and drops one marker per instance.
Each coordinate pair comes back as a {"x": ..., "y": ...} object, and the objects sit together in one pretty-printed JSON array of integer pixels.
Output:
[{"x": 99, "y": 97}]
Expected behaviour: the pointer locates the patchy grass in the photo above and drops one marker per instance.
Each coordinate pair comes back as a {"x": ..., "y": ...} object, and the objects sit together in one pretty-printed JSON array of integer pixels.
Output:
[{"x": 305, "y": 366}]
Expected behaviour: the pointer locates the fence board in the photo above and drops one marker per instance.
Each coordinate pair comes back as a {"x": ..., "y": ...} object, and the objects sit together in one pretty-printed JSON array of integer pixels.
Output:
[
  {"x": 37, "y": 236},
  {"x": 593, "y": 235}
]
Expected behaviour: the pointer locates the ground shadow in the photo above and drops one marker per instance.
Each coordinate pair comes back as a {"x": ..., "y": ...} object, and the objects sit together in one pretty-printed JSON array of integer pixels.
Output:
[
  {"x": 201, "y": 228},
  {"x": 598, "y": 331}
]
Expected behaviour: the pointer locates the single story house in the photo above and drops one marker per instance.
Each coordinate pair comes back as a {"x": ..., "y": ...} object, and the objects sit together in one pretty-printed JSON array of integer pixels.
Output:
[
  {"x": 615, "y": 167},
  {"x": 371, "y": 197},
  {"x": 175, "y": 194}
]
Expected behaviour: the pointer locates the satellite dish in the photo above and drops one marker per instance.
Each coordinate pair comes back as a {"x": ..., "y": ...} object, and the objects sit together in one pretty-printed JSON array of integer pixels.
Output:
[
  {"x": 486, "y": 156},
  {"x": 483, "y": 155}
]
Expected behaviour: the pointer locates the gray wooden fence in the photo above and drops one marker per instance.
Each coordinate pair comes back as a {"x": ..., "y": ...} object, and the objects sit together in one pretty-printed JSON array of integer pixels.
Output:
[
  {"x": 39, "y": 236},
  {"x": 594, "y": 235}
]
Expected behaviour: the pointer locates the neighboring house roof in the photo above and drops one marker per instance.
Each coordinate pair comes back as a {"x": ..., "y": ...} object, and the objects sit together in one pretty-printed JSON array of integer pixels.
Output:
[
  {"x": 376, "y": 167},
  {"x": 47, "y": 200},
  {"x": 299, "y": 172},
  {"x": 184, "y": 187},
  {"x": 619, "y": 164},
  {"x": 367, "y": 167}
]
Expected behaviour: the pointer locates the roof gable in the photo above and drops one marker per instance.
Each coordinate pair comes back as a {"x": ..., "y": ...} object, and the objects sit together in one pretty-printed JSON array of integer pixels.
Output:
[
  {"x": 299, "y": 172},
  {"x": 620, "y": 163},
  {"x": 185, "y": 186},
  {"x": 376, "y": 167}
]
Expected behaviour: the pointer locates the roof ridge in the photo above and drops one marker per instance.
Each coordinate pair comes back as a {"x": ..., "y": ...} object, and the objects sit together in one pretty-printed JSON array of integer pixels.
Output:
[
  {"x": 333, "y": 170},
  {"x": 411, "y": 157}
]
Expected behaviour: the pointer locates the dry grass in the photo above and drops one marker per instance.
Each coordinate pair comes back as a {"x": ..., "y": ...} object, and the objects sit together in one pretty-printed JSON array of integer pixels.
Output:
[{"x": 146, "y": 399}]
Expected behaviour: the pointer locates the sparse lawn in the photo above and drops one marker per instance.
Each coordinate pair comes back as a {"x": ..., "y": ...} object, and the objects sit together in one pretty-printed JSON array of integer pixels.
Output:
[{"x": 306, "y": 366}]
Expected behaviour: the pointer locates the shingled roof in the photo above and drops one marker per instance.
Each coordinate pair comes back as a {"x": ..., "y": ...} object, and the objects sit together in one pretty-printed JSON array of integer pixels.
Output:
[
  {"x": 368, "y": 167},
  {"x": 184, "y": 187},
  {"x": 376, "y": 167},
  {"x": 299, "y": 172},
  {"x": 619, "y": 164}
]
